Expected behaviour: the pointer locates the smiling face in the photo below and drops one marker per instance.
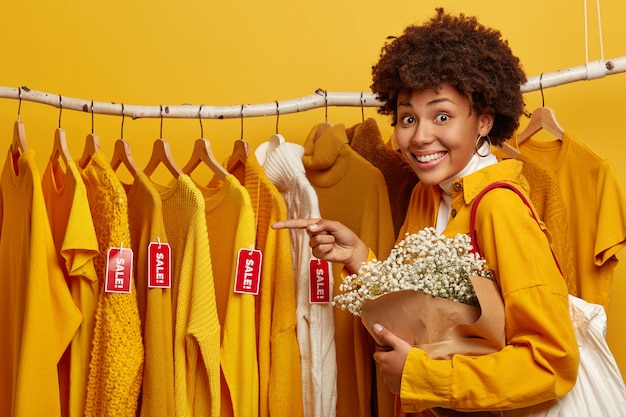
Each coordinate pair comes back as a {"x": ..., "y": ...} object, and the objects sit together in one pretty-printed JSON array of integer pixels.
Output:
[{"x": 437, "y": 132}]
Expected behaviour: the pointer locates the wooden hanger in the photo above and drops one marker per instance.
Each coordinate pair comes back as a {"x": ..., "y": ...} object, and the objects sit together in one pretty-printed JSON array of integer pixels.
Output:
[
  {"x": 202, "y": 153},
  {"x": 161, "y": 154},
  {"x": 92, "y": 145},
  {"x": 541, "y": 118},
  {"x": 18, "y": 146},
  {"x": 122, "y": 155},
  {"x": 241, "y": 151},
  {"x": 59, "y": 148}
]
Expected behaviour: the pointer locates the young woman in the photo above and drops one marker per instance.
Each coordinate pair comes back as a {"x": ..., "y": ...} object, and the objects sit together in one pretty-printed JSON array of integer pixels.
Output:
[{"x": 452, "y": 88}]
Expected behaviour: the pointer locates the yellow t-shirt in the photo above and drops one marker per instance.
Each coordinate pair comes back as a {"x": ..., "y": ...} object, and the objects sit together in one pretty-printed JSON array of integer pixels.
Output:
[
  {"x": 39, "y": 317},
  {"x": 76, "y": 245},
  {"x": 116, "y": 367},
  {"x": 596, "y": 210}
]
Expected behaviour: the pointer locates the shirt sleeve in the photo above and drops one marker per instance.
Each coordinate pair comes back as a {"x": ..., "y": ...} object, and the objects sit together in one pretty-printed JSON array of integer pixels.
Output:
[{"x": 540, "y": 360}]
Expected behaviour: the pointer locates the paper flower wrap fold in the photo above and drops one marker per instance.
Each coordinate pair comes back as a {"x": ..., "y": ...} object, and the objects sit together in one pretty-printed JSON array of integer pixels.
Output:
[{"x": 439, "y": 326}]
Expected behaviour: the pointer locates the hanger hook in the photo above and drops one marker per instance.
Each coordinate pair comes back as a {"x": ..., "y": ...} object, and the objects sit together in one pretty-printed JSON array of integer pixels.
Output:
[
  {"x": 325, "y": 106},
  {"x": 19, "y": 104},
  {"x": 241, "y": 122},
  {"x": 200, "y": 119},
  {"x": 92, "y": 117},
  {"x": 362, "y": 108},
  {"x": 122, "y": 128},
  {"x": 60, "y": 109},
  {"x": 543, "y": 103},
  {"x": 161, "y": 129},
  {"x": 277, "y": 115}
]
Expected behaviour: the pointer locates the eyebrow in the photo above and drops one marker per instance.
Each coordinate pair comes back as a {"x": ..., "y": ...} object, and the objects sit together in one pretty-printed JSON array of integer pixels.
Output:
[{"x": 430, "y": 103}]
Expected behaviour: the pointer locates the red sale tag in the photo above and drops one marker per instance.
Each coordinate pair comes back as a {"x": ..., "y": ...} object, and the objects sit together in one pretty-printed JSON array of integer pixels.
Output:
[
  {"x": 319, "y": 281},
  {"x": 119, "y": 272},
  {"x": 248, "y": 274},
  {"x": 159, "y": 266}
]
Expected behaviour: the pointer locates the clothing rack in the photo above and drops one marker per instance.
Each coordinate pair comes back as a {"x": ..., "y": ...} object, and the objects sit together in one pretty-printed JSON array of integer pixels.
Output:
[{"x": 321, "y": 98}]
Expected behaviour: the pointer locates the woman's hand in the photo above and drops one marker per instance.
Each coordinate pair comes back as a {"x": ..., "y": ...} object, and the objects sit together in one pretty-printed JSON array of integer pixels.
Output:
[
  {"x": 391, "y": 362},
  {"x": 331, "y": 241}
]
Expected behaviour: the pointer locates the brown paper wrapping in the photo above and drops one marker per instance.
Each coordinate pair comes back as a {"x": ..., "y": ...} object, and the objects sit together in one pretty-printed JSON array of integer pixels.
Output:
[
  {"x": 442, "y": 327},
  {"x": 439, "y": 326}
]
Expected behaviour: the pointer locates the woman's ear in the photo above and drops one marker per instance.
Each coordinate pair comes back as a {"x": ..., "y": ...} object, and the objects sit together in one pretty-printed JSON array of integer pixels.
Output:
[{"x": 485, "y": 123}]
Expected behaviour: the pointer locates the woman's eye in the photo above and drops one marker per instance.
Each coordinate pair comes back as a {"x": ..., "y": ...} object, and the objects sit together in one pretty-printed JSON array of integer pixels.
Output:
[
  {"x": 442, "y": 117},
  {"x": 407, "y": 120}
]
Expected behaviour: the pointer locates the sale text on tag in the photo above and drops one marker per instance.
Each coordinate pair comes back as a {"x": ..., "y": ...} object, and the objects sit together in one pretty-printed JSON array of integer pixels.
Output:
[
  {"x": 119, "y": 270},
  {"x": 159, "y": 265},
  {"x": 248, "y": 273},
  {"x": 319, "y": 281}
]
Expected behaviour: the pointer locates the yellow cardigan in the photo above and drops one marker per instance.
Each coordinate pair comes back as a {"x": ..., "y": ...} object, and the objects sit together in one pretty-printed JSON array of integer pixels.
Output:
[{"x": 540, "y": 361}]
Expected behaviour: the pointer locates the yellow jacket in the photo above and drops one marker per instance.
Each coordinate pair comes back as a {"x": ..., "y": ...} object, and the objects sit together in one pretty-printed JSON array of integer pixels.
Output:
[{"x": 540, "y": 361}]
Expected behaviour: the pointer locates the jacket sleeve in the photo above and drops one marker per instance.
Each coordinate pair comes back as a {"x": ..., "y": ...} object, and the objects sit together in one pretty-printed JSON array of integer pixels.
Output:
[{"x": 540, "y": 361}]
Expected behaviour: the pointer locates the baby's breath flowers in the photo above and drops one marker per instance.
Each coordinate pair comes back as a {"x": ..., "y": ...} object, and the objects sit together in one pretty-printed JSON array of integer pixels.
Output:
[{"x": 423, "y": 261}]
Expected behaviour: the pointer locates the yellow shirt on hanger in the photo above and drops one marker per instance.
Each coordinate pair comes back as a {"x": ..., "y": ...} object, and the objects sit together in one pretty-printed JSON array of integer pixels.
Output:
[
  {"x": 145, "y": 219},
  {"x": 39, "y": 317},
  {"x": 77, "y": 245},
  {"x": 230, "y": 224},
  {"x": 280, "y": 377},
  {"x": 596, "y": 210}
]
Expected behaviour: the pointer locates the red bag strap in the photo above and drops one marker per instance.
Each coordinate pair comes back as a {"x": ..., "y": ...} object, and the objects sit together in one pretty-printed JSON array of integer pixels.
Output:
[{"x": 499, "y": 184}]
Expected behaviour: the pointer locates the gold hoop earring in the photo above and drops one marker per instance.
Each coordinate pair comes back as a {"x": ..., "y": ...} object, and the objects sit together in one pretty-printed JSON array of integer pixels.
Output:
[{"x": 479, "y": 143}]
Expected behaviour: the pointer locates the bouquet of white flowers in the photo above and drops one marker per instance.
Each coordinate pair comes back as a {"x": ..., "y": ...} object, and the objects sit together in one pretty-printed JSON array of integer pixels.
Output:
[{"x": 432, "y": 291}]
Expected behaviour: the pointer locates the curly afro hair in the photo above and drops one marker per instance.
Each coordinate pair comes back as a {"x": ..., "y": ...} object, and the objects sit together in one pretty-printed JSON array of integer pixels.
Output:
[{"x": 461, "y": 52}]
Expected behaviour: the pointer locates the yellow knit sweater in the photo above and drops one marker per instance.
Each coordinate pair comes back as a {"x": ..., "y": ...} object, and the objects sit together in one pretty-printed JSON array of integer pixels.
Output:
[
  {"x": 116, "y": 367},
  {"x": 196, "y": 324}
]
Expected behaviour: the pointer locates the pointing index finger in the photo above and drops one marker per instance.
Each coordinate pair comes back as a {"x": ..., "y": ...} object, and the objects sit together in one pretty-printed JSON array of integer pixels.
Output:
[{"x": 294, "y": 223}]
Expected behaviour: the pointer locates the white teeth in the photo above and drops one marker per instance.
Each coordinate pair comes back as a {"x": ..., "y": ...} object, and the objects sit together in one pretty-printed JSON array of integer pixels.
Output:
[{"x": 428, "y": 158}]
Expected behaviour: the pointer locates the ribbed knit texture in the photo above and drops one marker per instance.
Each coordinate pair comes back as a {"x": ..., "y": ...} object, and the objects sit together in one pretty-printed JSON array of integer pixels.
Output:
[
  {"x": 196, "y": 324},
  {"x": 116, "y": 367},
  {"x": 365, "y": 138},
  {"x": 315, "y": 322},
  {"x": 230, "y": 223},
  {"x": 145, "y": 216},
  {"x": 280, "y": 381},
  {"x": 351, "y": 190},
  {"x": 76, "y": 246},
  {"x": 39, "y": 317}
]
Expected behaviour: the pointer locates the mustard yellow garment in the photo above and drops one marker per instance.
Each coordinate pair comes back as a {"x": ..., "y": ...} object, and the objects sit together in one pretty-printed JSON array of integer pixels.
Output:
[
  {"x": 145, "y": 219},
  {"x": 280, "y": 377},
  {"x": 76, "y": 245},
  {"x": 540, "y": 361},
  {"x": 39, "y": 317},
  {"x": 230, "y": 224},
  {"x": 116, "y": 367},
  {"x": 596, "y": 210},
  {"x": 351, "y": 190},
  {"x": 196, "y": 325}
]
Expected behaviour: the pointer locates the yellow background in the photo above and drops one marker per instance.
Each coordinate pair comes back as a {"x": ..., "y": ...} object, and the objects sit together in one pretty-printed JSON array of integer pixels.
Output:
[{"x": 244, "y": 52}]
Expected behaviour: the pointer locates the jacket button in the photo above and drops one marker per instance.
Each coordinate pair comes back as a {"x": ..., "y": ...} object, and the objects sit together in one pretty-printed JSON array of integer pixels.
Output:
[
  {"x": 457, "y": 186},
  {"x": 453, "y": 212}
]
